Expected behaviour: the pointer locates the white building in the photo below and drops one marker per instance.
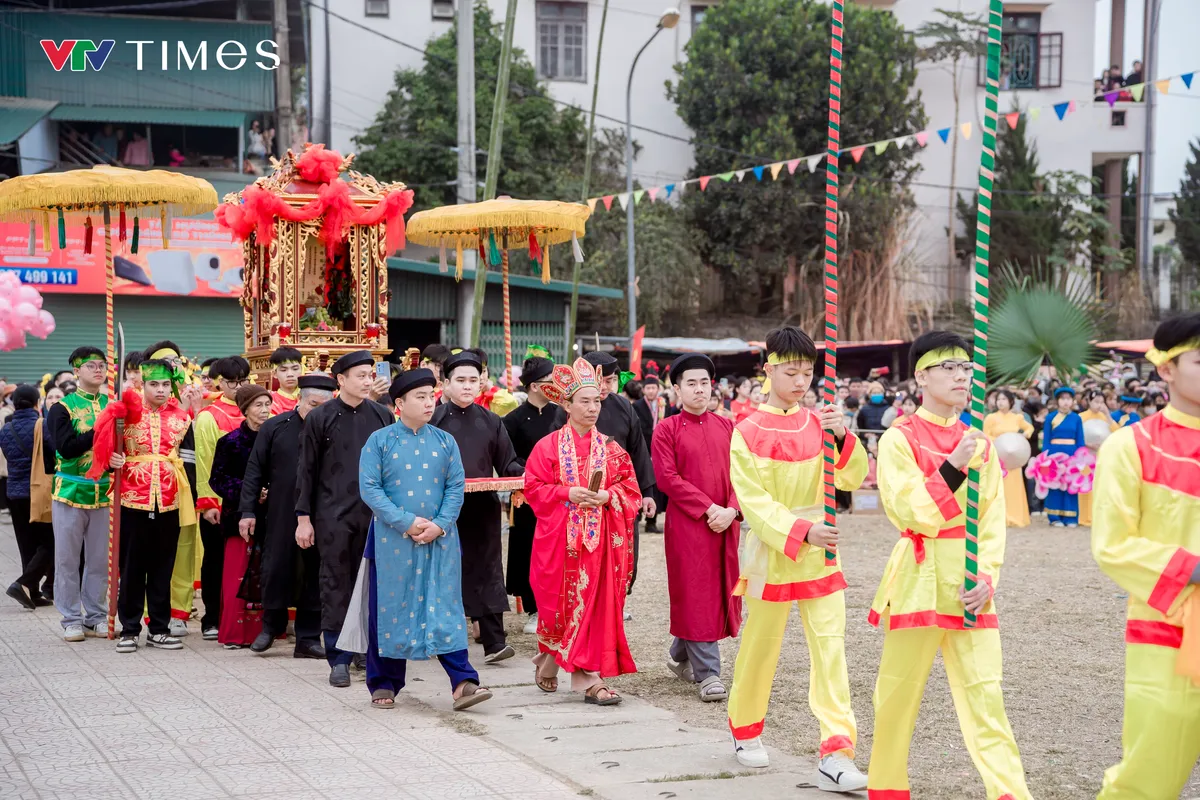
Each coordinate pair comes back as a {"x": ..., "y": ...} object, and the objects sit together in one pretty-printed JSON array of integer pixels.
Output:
[{"x": 1051, "y": 44}]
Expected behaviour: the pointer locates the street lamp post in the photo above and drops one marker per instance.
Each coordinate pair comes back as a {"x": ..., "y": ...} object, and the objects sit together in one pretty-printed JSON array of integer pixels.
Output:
[{"x": 669, "y": 19}]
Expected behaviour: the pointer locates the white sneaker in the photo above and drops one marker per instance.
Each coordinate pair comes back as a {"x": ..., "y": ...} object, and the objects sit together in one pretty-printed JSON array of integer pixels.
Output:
[
  {"x": 1057, "y": 525},
  {"x": 163, "y": 642},
  {"x": 177, "y": 628},
  {"x": 751, "y": 753},
  {"x": 99, "y": 630},
  {"x": 127, "y": 644},
  {"x": 531, "y": 623},
  {"x": 628, "y": 616},
  {"x": 837, "y": 773},
  {"x": 74, "y": 633},
  {"x": 209, "y": 634}
]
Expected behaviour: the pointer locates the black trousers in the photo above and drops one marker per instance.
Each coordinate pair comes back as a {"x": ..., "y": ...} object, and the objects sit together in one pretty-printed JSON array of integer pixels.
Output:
[
  {"x": 148, "y": 542},
  {"x": 35, "y": 542},
  {"x": 520, "y": 552},
  {"x": 211, "y": 569},
  {"x": 491, "y": 632},
  {"x": 308, "y": 623}
]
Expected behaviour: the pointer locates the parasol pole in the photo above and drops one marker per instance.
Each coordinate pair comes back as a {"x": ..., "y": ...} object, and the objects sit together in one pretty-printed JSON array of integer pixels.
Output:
[
  {"x": 833, "y": 144},
  {"x": 114, "y": 512},
  {"x": 983, "y": 230},
  {"x": 495, "y": 145},
  {"x": 508, "y": 360},
  {"x": 587, "y": 179}
]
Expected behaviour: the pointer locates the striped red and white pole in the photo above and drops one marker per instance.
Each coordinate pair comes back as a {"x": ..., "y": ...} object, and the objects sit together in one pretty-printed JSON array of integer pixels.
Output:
[
  {"x": 508, "y": 358},
  {"x": 983, "y": 227},
  {"x": 111, "y": 346},
  {"x": 831, "y": 253}
]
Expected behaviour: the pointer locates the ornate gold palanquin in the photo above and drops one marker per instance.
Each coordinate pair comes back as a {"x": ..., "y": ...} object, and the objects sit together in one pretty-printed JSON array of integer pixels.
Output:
[{"x": 315, "y": 248}]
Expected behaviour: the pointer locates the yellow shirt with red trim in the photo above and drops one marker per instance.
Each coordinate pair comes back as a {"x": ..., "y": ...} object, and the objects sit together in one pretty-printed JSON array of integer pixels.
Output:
[
  {"x": 927, "y": 566},
  {"x": 282, "y": 402},
  {"x": 213, "y": 422},
  {"x": 775, "y": 464},
  {"x": 1146, "y": 520}
]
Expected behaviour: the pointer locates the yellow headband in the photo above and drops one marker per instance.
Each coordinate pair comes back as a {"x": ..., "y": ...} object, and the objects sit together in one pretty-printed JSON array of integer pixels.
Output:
[
  {"x": 1158, "y": 357},
  {"x": 786, "y": 358},
  {"x": 166, "y": 352},
  {"x": 938, "y": 356}
]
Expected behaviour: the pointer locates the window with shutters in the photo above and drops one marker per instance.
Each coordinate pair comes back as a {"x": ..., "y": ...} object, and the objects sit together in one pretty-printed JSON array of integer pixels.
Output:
[
  {"x": 562, "y": 41},
  {"x": 443, "y": 9},
  {"x": 376, "y": 8},
  {"x": 1029, "y": 58}
]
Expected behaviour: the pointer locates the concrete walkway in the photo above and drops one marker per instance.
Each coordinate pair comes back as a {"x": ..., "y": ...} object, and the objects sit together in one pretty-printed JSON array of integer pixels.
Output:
[{"x": 82, "y": 722}]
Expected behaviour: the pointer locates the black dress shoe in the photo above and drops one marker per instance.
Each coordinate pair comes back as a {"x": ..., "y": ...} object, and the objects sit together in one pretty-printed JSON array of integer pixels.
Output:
[
  {"x": 262, "y": 643},
  {"x": 339, "y": 676},
  {"x": 308, "y": 650},
  {"x": 17, "y": 592},
  {"x": 41, "y": 601}
]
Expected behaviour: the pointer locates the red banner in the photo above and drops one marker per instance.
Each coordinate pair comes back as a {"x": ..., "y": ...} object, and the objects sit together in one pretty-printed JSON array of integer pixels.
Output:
[
  {"x": 635, "y": 353},
  {"x": 202, "y": 261}
]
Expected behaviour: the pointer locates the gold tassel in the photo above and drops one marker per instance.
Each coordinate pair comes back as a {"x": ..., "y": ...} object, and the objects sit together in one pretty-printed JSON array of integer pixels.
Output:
[
  {"x": 546, "y": 262},
  {"x": 166, "y": 227},
  {"x": 458, "y": 250},
  {"x": 46, "y": 231}
]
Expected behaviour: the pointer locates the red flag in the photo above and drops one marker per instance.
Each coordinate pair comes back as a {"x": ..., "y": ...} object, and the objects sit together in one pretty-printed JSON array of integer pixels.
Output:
[
  {"x": 608, "y": 198},
  {"x": 703, "y": 185},
  {"x": 1013, "y": 118},
  {"x": 857, "y": 153},
  {"x": 635, "y": 350}
]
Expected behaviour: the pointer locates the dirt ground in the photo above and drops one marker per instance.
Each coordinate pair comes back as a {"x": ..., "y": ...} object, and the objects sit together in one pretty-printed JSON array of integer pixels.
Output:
[{"x": 1062, "y": 626}]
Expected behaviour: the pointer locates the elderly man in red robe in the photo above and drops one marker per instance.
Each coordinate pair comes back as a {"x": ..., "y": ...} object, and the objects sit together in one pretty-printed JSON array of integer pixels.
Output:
[
  {"x": 583, "y": 489},
  {"x": 691, "y": 463}
]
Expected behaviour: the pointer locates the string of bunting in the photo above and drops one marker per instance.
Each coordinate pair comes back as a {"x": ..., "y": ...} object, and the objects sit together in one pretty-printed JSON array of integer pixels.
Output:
[{"x": 920, "y": 139}]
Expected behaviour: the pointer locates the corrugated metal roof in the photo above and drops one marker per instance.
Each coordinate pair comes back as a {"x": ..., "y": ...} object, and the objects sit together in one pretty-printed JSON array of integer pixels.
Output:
[
  {"x": 163, "y": 116},
  {"x": 19, "y": 114}
]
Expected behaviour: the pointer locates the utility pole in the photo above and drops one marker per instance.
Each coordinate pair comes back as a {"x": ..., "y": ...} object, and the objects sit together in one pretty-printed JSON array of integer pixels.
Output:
[
  {"x": 495, "y": 144},
  {"x": 466, "y": 142},
  {"x": 283, "y": 81},
  {"x": 328, "y": 85},
  {"x": 1149, "y": 67}
]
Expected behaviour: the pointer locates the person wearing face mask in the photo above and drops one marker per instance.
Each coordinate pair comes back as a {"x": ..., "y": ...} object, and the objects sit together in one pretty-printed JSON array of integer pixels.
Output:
[
  {"x": 329, "y": 510},
  {"x": 870, "y": 417}
]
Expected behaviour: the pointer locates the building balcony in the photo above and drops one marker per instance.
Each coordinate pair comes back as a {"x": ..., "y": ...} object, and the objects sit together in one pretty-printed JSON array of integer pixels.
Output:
[{"x": 1117, "y": 132}]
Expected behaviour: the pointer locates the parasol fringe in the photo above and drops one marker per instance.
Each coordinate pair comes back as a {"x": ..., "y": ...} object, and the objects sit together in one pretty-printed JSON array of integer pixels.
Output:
[
  {"x": 165, "y": 220},
  {"x": 133, "y": 243},
  {"x": 546, "y": 263},
  {"x": 46, "y": 231},
  {"x": 62, "y": 231},
  {"x": 87, "y": 236},
  {"x": 32, "y": 237},
  {"x": 493, "y": 250},
  {"x": 87, "y": 190},
  {"x": 555, "y": 220},
  {"x": 458, "y": 259}
]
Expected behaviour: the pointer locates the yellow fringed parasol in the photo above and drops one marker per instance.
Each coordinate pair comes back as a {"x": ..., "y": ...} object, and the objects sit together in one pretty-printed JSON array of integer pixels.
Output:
[
  {"x": 494, "y": 227},
  {"x": 102, "y": 190}
]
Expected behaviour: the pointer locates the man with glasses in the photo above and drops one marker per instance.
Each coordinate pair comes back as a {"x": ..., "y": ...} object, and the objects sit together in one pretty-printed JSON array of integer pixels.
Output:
[
  {"x": 923, "y": 463},
  {"x": 214, "y": 421},
  {"x": 80, "y": 506},
  {"x": 531, "y": 422}
]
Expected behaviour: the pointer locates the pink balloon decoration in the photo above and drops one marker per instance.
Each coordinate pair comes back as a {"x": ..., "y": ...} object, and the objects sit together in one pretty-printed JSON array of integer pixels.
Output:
[
  {"x": 3, "y": 339},
  {"x": 28, "y": 294},
  {"x": 21, "y": 313},
  {"x": 47, "y": 323}
]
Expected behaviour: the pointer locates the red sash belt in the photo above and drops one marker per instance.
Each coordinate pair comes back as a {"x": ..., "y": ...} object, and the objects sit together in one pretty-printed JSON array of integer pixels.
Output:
[{"x": 918, "y": 539}]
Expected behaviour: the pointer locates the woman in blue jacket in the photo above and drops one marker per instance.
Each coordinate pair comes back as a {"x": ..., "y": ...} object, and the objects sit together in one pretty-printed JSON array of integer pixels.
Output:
[{"x": 35, "y": 540}]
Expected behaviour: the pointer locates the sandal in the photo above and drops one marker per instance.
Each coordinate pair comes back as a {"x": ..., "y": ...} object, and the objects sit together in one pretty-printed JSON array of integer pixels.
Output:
[
  {"x": 383, "y": 698},
  {"x": 592, "y": 696},
  {"x": 547, "y": 685},
  {"x": 712, "y": 690},
  {"x": 471, "y": 694}
]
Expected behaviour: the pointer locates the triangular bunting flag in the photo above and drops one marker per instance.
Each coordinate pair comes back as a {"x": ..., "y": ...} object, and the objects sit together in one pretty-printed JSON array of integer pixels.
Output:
[
  {"x": 775, "y": 168},
  {"x": 592, "y": 204},
  {"x": 1111, "y": 97},
  {"x": 704, "y": 182},
  {"x": 608, "y": 198},
  {"x": 653, "y": 192},
  {"x": 623, "y": 197},
  {"x": 670, "y": 189},
  {"x": 741, "y": 173},
  {"x": 922, "y": 138},
  {"x": 1137, "y": 90},
  {"x": 903, "y": 142},
  {"x": 1163, "y": 85},
  {"x": 1187, "y": 79},
  {"x": 858, "y": 153},
  {"x": 966, "y": 130},
  {"x": 1012, "y": 120},
  {"x": 814, "y": 162},
  {"x": 945, "y": 134},
  {"x": 1034, "y": 113},
  {"x": 795, "y": 162},
  {"x": 758, "y": 172},
  {"x": 880, "y": 147},
  {"x": 637, "y": 196},
  {"x": 728, "y": 176},
  {"x": 1071, "y": 107},
  {"x": 1061, "y": 109}
]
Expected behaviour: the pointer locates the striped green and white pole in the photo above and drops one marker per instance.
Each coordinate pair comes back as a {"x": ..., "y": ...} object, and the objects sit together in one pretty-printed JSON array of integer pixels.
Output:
[
  {"x": 831, "y": 252},
  {"x": 983, "y": 235}
]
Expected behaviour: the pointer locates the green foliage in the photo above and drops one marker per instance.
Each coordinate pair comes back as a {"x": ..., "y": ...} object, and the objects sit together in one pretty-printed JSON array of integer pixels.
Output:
[
  {"x": 755, "y": 83},
  {"x": 952, "y": 36},
  {"x": 1052, "y": 216},
  {"x": 1043, "y": 315},
  {"x": 414, "y": 136},
  {"x": 1186, "y": 214}
]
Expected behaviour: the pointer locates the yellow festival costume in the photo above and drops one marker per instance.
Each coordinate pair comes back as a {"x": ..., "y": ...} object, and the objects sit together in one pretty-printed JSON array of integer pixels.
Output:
[
  {"x": 918, "y": 605},
  {"x": 1016, "y": 503},
  {"x": 776, "y": 470},
  {"x": 1146, "y": 537},
  {"x": 1085, "y": 498}
]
